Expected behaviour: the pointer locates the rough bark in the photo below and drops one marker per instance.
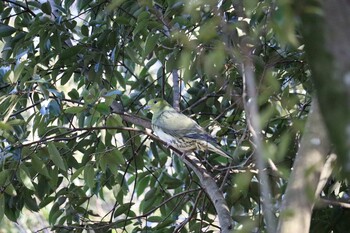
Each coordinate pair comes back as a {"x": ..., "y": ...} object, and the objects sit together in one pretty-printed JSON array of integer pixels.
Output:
[{"x": 302, "y": 190}]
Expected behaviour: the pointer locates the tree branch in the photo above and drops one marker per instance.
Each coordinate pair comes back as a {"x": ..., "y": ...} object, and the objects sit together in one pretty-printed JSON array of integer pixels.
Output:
[
  {"x": 118, "y": 109},
  {"x": 176, "y": 90},
  {"x": 252, "y": 115},
  {"x": 325, "y": 37},
  {"x": 300, "y": 195},
  {"x": 212, "y": 190}
]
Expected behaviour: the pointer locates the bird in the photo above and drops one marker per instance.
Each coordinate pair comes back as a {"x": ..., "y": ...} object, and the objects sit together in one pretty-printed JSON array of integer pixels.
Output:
[{"x": 179, "y": 130}]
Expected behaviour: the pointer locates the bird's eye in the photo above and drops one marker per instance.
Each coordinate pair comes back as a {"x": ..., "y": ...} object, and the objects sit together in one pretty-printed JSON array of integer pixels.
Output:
[{"x": 155, "y": 101}]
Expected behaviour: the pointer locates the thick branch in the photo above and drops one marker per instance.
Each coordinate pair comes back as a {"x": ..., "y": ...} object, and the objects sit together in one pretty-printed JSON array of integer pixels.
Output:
[
  {"x": 301, "y": 193},
  {"x": 251, "y": 108},
  {"x": 326, "y": 37}
]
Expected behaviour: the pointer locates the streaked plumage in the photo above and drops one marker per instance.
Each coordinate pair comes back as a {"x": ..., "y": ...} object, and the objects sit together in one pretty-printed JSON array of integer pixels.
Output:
[{"x": 179, "y": 130}]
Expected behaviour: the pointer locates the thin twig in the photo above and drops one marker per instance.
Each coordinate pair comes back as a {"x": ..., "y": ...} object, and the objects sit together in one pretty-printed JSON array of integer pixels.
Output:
[{"x": 176, "y": 90}]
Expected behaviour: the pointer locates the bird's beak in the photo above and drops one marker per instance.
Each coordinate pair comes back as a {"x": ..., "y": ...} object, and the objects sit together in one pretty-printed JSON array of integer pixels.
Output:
[{"x": 147, "y": 107}]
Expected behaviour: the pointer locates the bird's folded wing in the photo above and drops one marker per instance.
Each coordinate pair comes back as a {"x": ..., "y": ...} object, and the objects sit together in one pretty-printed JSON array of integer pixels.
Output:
[{"x": 201, "y": 136}]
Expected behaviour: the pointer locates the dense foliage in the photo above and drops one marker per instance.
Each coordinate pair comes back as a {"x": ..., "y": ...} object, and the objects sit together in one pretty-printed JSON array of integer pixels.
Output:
[{"x": 66, "y": 154}]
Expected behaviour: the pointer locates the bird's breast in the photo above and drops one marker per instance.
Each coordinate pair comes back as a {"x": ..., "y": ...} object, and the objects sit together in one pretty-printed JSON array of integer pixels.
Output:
[{"x": 164, "y": 136}]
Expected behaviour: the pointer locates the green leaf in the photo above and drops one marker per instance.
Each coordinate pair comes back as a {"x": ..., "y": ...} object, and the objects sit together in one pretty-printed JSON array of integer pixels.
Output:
[
  {"x": 122, "y": 209},
  {"x": 18, "y": 71},
  {"x": 71, "y": 52},
  {"x": 54, "y": 177},
  {"x": 151, "y": 199},
  {"x": 55, "y": 213},
  {"x": 55, "y": 156},
  {"x": 171, "y": 182},
  {"x": 76, "y": 173},
  {"x": 39, "y": 166},
  {"x": 84, "y": 30},
  {"x": 74, "y": 94},
  {"x": 25, "y": 177},
  {"x": 4, "y": 175},
  {"x": 121, "y": 79},
  {"x": 112, "y": 160},
  {"x": 6, "y": 30},
  {"x": 16, "y": 122},
  {"x": 46, "y": 201},
  {"x": 150, "y": 43},
  {"x": 67, "y": 75},
  {"x": 141, "y": 25},
  {"x": 4, "y": 126},
  {"x": 103, "y": 108},
  {"x": 113, "y": 121},
  {"x": 89, "y": 175},
  {"x": 74, "y": 110},
  {"x": 132, "y": 54},
  {"x": 46, "y": 8},
  {"x": 142, "y": 184},
  {"x": 10, "y": 190},
  {"x": 2, "y": 206},
  {"x": 116, "y": 157},
  {"x": 31, "y": 203}
]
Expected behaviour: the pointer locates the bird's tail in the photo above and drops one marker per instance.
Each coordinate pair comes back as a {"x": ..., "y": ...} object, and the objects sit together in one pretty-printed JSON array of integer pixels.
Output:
[{"x": 218, "y": 150}]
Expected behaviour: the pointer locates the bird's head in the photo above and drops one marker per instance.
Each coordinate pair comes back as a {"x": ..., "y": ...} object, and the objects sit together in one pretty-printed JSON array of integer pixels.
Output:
[{"x": 157, "y": 104}]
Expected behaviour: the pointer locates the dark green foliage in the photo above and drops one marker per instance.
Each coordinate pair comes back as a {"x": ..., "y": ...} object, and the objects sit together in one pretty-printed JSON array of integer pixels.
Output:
[{"x": 62, "y": 149}]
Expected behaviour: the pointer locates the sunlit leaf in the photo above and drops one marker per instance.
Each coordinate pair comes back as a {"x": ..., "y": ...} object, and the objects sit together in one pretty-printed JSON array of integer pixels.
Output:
[
  {"x": 24, "y": 175},
  {"x": 5, "y": 126}
]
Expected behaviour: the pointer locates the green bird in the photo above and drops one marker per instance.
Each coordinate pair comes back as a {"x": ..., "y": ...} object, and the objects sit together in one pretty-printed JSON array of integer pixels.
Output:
[{"x": 179, "y": 130}]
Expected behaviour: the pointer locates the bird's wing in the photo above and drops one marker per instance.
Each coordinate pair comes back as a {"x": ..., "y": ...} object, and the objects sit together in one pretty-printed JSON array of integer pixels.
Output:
[{"x": 203, "y": 136}]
